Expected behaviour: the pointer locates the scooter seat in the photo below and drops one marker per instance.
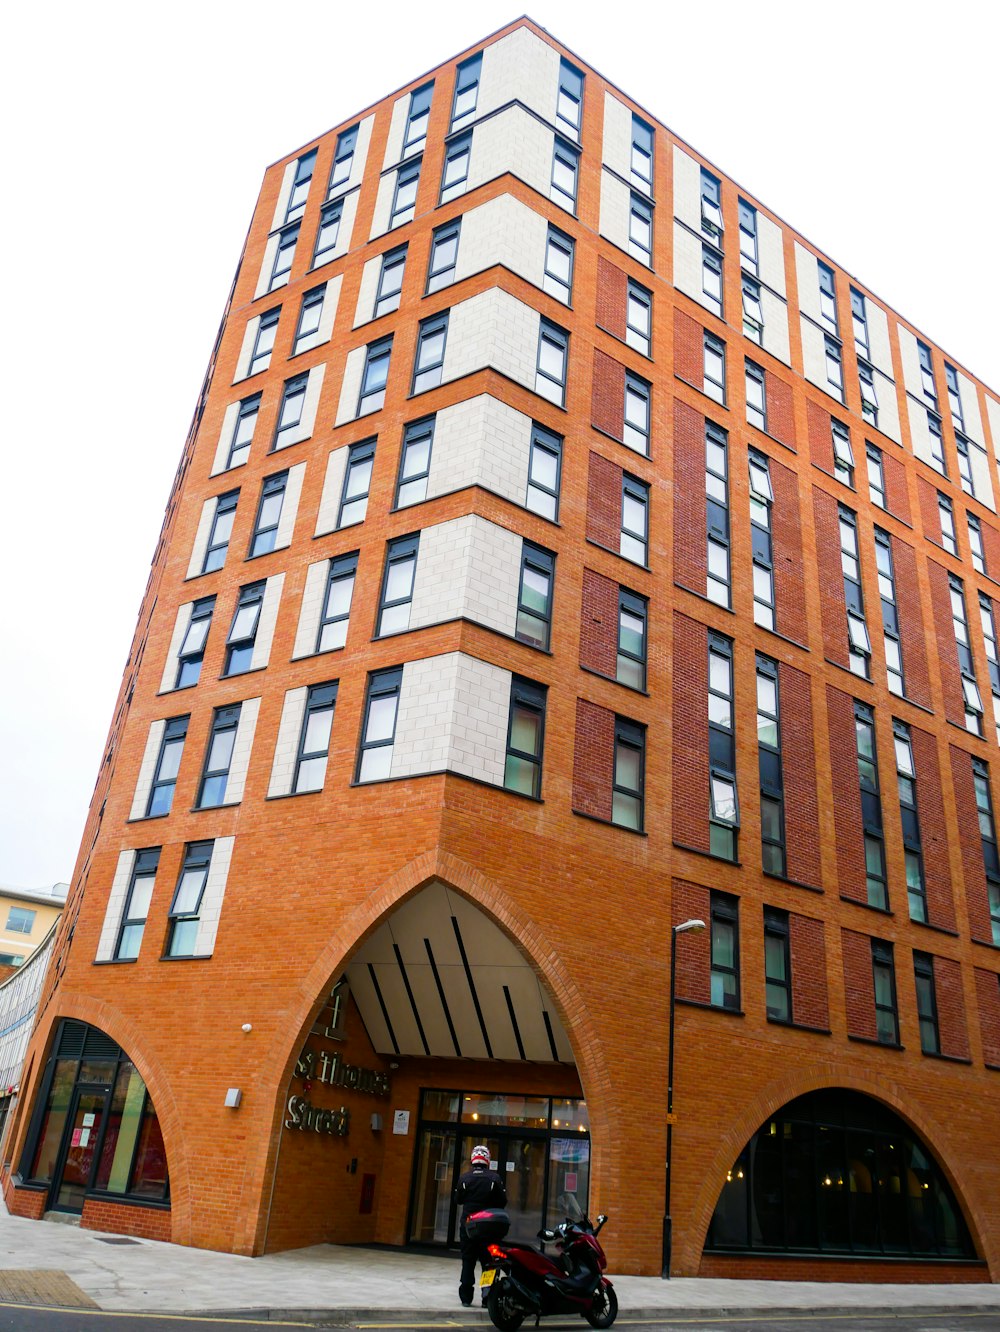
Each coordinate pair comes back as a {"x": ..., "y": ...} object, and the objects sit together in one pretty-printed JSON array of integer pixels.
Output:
[{"x": 575, "y": 1287}]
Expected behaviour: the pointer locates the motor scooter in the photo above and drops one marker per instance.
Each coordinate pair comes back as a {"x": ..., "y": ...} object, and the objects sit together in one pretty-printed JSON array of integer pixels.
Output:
[{"x": 519, "y": 1280}]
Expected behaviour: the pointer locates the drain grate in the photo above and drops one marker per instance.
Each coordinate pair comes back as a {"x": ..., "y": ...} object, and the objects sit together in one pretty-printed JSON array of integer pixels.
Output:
[
  {"x": 42, "y": 1287},
  {"x": 114, "y": 1239}
]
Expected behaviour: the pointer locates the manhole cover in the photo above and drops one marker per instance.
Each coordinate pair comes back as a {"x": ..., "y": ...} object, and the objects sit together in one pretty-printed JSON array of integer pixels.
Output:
[
  {"x": 41, "y": 1287},
  {"x": 114, "y": 1239}
]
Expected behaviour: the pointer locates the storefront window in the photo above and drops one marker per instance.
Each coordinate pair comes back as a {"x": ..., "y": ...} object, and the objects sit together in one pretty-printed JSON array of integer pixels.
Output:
[
  {"x": 54, "y": 1121},
  {"x": 496, "y": 1108},
  {"x": 442, "y": 1106}
]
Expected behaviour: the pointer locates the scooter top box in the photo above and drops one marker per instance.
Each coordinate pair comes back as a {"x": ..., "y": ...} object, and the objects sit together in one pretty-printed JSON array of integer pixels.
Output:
[{"x": 490, "y": 1224}]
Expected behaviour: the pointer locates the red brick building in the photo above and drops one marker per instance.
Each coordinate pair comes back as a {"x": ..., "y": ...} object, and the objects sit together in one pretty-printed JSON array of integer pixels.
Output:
[{"x": 562, "y": 550}]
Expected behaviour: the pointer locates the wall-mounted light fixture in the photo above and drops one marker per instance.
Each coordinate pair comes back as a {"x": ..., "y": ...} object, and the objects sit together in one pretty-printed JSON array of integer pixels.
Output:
[{"x": 233, "y": 1097}]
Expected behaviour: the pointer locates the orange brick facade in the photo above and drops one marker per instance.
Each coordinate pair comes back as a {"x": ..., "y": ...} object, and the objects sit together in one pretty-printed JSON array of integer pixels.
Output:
[{"x": 588, "y": 903}]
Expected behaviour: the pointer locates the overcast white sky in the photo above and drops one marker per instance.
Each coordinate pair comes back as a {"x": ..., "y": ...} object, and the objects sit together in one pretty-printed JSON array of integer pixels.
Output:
[{"x": 136, "y": 136}]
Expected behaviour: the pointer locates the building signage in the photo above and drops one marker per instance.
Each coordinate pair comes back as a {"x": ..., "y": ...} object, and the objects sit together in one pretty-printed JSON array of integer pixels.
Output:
[
  {"x": 331, "y": 1071},
  {"x": 302, "y": 1115}
]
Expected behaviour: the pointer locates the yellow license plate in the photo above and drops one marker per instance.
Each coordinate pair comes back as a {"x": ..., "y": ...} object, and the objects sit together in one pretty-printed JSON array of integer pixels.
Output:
[{"x": 487, "y": 1278}]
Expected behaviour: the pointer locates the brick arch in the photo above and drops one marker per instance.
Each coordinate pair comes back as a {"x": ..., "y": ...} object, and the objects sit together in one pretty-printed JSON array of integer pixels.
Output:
[
  {"x": 471, "y": 883},
  {"x": 828, "y": 1076}
]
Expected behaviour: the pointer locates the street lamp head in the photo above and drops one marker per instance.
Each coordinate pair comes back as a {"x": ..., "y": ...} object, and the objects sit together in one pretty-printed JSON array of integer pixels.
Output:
[{"x": 689, "y": 925}]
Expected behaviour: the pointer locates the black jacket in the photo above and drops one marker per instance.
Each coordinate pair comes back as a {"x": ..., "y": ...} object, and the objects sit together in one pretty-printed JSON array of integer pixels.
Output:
[{"x": 479, "y": 1188}]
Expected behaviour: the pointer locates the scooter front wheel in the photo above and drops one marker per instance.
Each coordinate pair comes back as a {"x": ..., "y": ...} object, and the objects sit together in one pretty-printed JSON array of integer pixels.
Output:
[
  {"x": 604, "y": 1310},
  {"x": 505, "y": 1313}
]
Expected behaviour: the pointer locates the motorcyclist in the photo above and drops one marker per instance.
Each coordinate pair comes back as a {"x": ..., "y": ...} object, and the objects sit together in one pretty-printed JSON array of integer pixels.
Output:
[{"x": 477, "y": 1189}]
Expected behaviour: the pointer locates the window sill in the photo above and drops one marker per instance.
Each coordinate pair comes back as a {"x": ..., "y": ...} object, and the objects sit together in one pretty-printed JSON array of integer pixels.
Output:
[
  {"x": 711, "y": 1008},
  {"x": 702, "y": 394},
  {"x": 702, "y": 597},
  {"x": 299, "y": 795},
  {"x": 939, "y": 929},
  {"x": 986, "y": 943},
  {"x": 622, "y": 342},
  {"x": 251, "y": 670},
  {"x": 792, "y": 642},
  {"x": 622, "y": 827},
  {"x": 441, "y": 772},
  {"x": 799, "y": 1026},
  {"x": 709, "y": 855},
  {"x": 867, "y": 906},
  {"x": 264, "y": 553},
  {"x": 598, "y": 430},
  {"x": 113, "y": 961},
  {"x": 127, "y": 1200},
  {"x": 643, "y": 693},
  {"x": 792, "y": 883},
  {"x": 947, "y": 1058},
  {"x": 148, "y": 818},
  {"x": 781, "y": 443},
  {"x": 185, "y": 957},
  {"x": 177, "y": 689},
  {"x": 210, "y": 809},
  {"x": 473, "y": 485},
  {"x": 872, "y": 1040},
  {"x": 618, "y": 555},
  {"x": 965, "y": 731}
]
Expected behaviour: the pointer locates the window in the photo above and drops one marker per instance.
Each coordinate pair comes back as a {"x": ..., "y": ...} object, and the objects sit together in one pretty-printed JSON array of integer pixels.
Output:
[
  {"x": 558, "y": 279},
  {"x": 827, "y": 295},
  {"x": 777, "y": 966},
  {"x": 310, "y": 318},
  {"x": 168, "y": 762},
  {"x": 272, "y": 498},
  {"x": 876, "y": 476},
  {"x": 965, "y": 466},
  {"x": 859, "y": 646},
  {"x": 525, "y": 738},
  {"x": 717, "y": 513},
  {"x": 293, "y": 401},
  {"x": 635, "y": 431},
  {"x": 859, "y": 318},
  {"x": 21, "y": 920},
  {"x": 267, "y": 327},
  {"x": 834, "y": 369},
  {"x": 927, "y": 375},
  {"x": 761, "y": 500},
  {"x": 565, "y": 170},
  {"x": 947, "y": 524},
  {"x": 988, "y": 840},
  {"x": 415, "y": 462},
  {"x": 404, "y": 199},
  {"x": 569, "y": 102},
  {"x": 415, "y": 135},
  {"x": 544, "y": 465},
  {"x": 714, "y": 354},
  {"x": 379, "y": 730},
  {"x": 954, "y": 396},
  {"x": 343, "y": 160},
  {"x": 300, "y": 186},
  {"x": 635, "y": 519},
  {"x": 373, "y": 379},
  {"x": 970, "y": 690},
  {"x": 631, "y": 665},
  {"x": 192, "y": 649},
  {"x": 243, "y": 632},
  {"x": 219, "y": 757},
  {"x": 428, "y": 364},
  {"x": 390, "y": 281},
  {"x": 756, "y": 401},
  {"x": 550, "y": 372},
  {"x": 642, "y": 155},
  {"x": 222, "y": 529},
  {"x": 927, "y": 1015},
  {"x": 772, "y": 790},
  {"x": 711, "y": 279},
  {"x": 627, "y": 790},
  {"x": 937, "y": 443},
  {"x": 725, "y": 951},
  {"x": 638, "y": 317},
  {"x": 748, "y": 237},
  {"x": 397, "y": 585},
  {"x": 357, "y": 483},
  {"x": 444, "y": 255},
  {"x": 329, "y": 230},
  {"x": 314, "y": 742},
  {"x": 884, "y": 980},
  {"x": 711, "y": 205},
  {"x": 337, "y": 599},
  {"x": 869, "y": 398},
  {"x": 246, "y": 421},
  {"x": 890, "y": 621},
  {"x": 640, "y": 230},
  {"x": 466, "y": 90},
  {"x": 140, "y": 892},
  {"x": 534, "y": 597},
  {"x": 284, "y": 256},
  {"x": 186, "y": 906},
  {"x": 976, "y": 544},
  {"x": 455, "y": 173},
  {"x": 843, "y": 454},
  {"x": 906, "y": 781},
  {"x": 753, "y": 311},
  {"x": 992, "y": 653},
  {"x": 871, "y": 807},
  {"x": 724, "y": 812}
]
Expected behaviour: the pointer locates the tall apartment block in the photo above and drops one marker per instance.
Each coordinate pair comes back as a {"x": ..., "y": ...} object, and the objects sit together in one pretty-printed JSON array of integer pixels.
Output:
[{"x": 563, "y": 551}]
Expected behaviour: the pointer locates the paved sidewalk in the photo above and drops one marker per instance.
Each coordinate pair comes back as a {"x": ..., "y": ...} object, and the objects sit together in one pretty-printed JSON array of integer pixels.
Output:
[{"x": 335, "y": 1283}]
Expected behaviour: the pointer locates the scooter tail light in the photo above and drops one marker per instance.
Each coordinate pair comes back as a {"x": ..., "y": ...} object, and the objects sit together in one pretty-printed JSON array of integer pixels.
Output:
[{"x": 494, "y": 1250}]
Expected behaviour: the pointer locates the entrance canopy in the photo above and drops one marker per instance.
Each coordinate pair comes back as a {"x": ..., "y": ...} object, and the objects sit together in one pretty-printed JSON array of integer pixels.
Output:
[{"x": 439, "y": 978}]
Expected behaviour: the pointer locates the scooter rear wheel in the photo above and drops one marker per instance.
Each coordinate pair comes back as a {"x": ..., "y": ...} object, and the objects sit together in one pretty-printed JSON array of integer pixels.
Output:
[
  {"x": 504, "y": 1313},
  {"x": 604, "y": 1310}
]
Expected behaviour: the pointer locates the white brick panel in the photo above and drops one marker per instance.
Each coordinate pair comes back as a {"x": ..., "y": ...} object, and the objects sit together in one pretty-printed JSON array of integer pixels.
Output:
[
  {"x": 267, "y": 265},
  {"x": 397, "y": 129},
  {"x": 616, "y": 151},
  {"x": 267, "y": 621},
  {"x": 452, "y": 714},
  {"x": 814, "y": 356},
  {"x": 912, "y": 378},
  {"x": 383, "y": 204},
  {"x": 311, "y": 609},
  {"x": 993, "y": 413},
  {"x": 201, "y": 538},
  {"x": 878, "y": 338},
  {"x": 305, "y": 426},
  {"x": 467, "y": 568},
  {"x": 687, "y": 189},
  {"x": 116, "y": 905},
  {"x": 287, "y": 747},
  {"x": 888, "y": 406},
  {"x": 482, "y": 442},
  {"x": 324, "y": 330},
  {"x": 970, "y": 409},
  {"x": 775, "y": 335},
  {"x": 519, "y": 66},
  {"x": 211, "y": 901},
  {"x": 616, "y": 203},
  {"x": 354, "y": 368},
  {"x": 807, "y": 275},
  {"x": 502, "y": 231},
  {"x": 225, "y": 439},
  {"x": 242, "y": 747},
  {"x": 480, "y": 717},
  {"x": 920, "y": 436},
  {"x": 246, "y": 350},
  {"x": 284, "y": 194},
  {"x": 687, "y": 264},
  {"x": 290, "y": 506},
  {"x": 368, "y": 291},
  {"x": 176, "y": 639},
  {"x": 981, "y": 476},
  {"x": 770, "y": 254},
  {"x": 333, "y": 485},
  {"x": 492, "y": 329},
  {"x": 147, "y": 770},
  {"x": 512, "y": 141}
]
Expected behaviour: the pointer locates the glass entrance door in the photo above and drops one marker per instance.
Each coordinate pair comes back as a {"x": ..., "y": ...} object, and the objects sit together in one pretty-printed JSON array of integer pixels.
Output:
[
  {"x": 524, "y": 1177},
  {"x": 79, "y": 1149}
]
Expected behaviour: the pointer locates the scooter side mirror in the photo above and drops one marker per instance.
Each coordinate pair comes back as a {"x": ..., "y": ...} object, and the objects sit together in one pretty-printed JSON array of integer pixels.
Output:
[{"x": 547, "y": 1235}]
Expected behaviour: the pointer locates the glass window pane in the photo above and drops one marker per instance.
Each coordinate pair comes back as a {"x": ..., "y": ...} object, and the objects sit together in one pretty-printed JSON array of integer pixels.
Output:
[
  {"x": 381, "y": 718},
  {"x": 526, "y": 730}
]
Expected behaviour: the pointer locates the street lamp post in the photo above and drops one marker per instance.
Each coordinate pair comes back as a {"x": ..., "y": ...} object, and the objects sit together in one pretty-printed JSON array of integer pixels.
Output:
[{"x": 689, "y": 926}]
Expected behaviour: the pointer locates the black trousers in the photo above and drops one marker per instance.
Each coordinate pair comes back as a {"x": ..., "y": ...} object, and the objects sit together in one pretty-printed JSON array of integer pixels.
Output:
[{"x": 472, "y": 1253}]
